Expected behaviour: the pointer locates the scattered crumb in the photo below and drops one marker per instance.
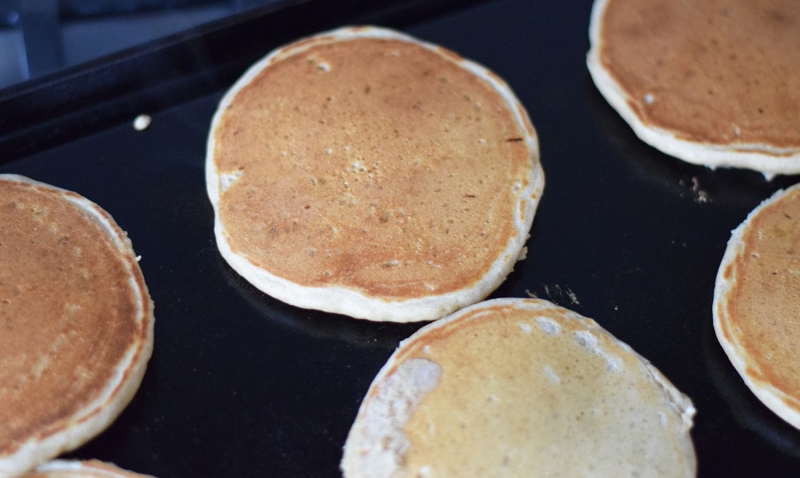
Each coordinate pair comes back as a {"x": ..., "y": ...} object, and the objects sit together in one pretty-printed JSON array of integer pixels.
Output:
[
  {"x": 557, "y": 292},
  {"x": 572, "y": 296},
  {"x": 700, "y": 196},
  {"x": 138, "y": 258},
  {"x": 531, "y": 294},
  {"x": 141, "y": 122}
]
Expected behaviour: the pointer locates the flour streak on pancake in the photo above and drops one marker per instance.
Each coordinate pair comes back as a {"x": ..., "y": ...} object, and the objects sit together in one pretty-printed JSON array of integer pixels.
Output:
[
  {"x": 76, "y": 321},
  {"x": 757, "y": 303},
  {"x": 80, "y": 469},
  {"x": 367, "y": 173},
  {"x": 709, "y": 83},
  {"x": 517, "y": 387}
]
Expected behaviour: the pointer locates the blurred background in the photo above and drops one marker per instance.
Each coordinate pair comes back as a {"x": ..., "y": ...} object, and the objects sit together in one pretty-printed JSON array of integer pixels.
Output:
[{"x": 38, "y": 37}]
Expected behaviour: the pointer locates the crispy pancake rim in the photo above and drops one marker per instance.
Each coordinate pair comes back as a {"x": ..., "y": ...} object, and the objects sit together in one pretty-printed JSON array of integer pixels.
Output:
[{"x": 87, "y": 469}]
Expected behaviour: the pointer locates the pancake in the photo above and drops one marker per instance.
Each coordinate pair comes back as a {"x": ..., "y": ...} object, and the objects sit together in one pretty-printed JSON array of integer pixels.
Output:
[
  {"x": 366, "y": 173},
  {"x": 76, "y": 321},
  {"x": 515, "y": 387},
  {"x": 80, "y": 469},
  {"x": 711, "y": 83},
  {"x": 757, "y": 303}
]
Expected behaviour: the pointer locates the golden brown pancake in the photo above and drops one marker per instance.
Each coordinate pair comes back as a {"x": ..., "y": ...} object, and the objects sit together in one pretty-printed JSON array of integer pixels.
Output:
[
  {"x": 80, "y": 469},
  {"x": 714, "y": 83},
  {"x": 364, "y": 172},
  {"x": 757, "y": 303},
  {"x": 519, "y": 388},
  {"x": 76, "y": 321}
]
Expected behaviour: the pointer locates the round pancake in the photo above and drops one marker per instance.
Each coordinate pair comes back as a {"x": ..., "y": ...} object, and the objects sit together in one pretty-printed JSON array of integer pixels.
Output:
[
  {"x": 367, "y": 173},
  {"x": 515, "y": 387},
  {"x": 80, "y": 469},
  {"x": 710, "y": 83},
  {"x": 757, "y": 303},
  {"x": 76, "y": 321}
]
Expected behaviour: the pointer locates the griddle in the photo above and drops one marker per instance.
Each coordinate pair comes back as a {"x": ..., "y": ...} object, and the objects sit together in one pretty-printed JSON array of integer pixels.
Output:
[{"x": 243, "y": 385}]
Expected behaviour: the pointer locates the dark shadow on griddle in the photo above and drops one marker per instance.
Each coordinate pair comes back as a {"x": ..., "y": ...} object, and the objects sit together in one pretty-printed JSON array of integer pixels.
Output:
[
  {"x": 319, "y": 324},
  {"x": 735, "y": 186},
  {"x": 747, "y": 409}
]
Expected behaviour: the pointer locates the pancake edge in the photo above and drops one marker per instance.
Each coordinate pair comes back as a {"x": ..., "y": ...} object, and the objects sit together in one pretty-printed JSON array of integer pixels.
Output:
[
  {"x": 674, "y": 399},
  {"x": 770, "y": 396},
  {"x": 74, "y": 431},
  {"x": 763, "y": 158},
  {"x": 97, "y": 468},
  {"x": 343, "y": 300}
]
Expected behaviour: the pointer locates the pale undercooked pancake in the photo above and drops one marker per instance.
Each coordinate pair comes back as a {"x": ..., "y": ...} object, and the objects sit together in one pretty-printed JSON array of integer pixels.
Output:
[
  {"x": 80, "y": 469},
  {"x": 757, "y": 303},
  {"x": 519, "y": 388},
  {"x": 367, "y": 173},
  {"x": 713, "y": 83},
  {"x": 76, "y": 322}
]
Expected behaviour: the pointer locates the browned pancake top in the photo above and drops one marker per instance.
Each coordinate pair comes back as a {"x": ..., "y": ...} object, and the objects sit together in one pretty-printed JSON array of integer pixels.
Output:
[
  {"x": 717, "y": 71},
  {"x": 529, "y": 393},
  {"x": 67, "y": 312},
  {"x": 371, "y": 164},
  {"x": 762, "y": 309}
]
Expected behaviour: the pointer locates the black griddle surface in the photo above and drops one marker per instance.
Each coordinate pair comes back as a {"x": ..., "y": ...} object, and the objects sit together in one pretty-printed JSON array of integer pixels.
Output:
[{"x": 243, "y": 385}]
